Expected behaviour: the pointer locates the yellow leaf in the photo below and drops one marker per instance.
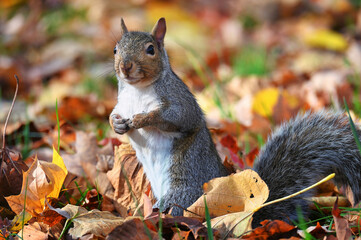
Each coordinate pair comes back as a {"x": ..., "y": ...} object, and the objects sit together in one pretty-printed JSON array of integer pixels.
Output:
[
  {"x": 327, "y": 39},
  {"x": 19, "y": 221},
  {"x": 265, "y": 100},
  {"x": 42, "y": 180},
  {"x": 59, "y": 173},
  {"x": 59, "y": 160}
]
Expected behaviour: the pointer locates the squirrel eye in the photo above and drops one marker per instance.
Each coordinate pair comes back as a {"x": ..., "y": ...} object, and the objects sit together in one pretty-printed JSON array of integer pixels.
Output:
[
  {"x": 115, "y": 50},
  {"x": 150, "y": 50}
]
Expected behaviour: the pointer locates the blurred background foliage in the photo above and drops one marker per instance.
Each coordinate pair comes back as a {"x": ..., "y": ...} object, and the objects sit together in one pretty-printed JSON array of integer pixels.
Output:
[{"x": 251, "y": 64}]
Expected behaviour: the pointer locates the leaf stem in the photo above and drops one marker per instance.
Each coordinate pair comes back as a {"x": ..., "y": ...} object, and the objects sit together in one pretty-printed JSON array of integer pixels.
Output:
[
  {"x": 11, "y": 109},
  {"x": 297, "y": 193}
]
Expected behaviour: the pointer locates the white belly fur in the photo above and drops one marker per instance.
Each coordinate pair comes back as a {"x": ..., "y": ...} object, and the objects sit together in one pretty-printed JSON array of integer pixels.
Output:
[{"x": 153, "y": 147}]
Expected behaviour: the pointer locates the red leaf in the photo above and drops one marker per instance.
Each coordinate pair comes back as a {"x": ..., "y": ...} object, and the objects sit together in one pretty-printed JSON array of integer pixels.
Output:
[{"x": 230, "y": 142}]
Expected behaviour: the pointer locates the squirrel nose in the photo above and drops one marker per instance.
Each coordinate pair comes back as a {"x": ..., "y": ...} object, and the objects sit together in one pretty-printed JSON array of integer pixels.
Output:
[{"x": 126, "y": 67}]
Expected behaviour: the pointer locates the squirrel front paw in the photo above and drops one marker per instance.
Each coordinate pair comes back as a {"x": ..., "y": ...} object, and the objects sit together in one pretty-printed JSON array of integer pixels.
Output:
[
  {"x": 137, "y": 121},
  {"x": 120, "y": 125}
]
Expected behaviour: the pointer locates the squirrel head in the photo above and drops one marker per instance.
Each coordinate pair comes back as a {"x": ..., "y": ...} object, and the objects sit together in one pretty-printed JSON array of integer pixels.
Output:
[{"x": 139, "y": 57}]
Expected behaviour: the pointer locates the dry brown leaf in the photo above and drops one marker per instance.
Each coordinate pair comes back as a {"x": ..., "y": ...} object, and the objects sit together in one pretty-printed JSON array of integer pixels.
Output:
[
  {"x": 86, "y": 151},
  {"x": 98, "y": 179},
  {"x": 342, "y": 227},
  {"x": 172, "y": 227},
  {"x": 124, "y": 158},
  {"x": 35, "y": 231},
  {"x": 105, "y": 162},
  {"x": 233, "y": 224},
  {"x": 99, "y": 223},
  {"x": 330, "y": 201},
  {"x": 10, "y": 179},
  {"x": 132, "y": 230},
  {"x": 147, "y": 206},
  {"x": 242, "y": 191}
]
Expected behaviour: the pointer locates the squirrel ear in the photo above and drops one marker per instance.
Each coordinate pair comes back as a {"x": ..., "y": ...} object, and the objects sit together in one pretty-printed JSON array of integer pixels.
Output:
[
  {"x": 158, "y": 32},
  {"x": 123, "y": 27}
]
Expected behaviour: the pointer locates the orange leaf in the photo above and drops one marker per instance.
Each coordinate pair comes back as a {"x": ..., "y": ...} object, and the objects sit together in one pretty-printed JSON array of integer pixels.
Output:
[
  {"x": 43, "y": 179},
  {"x": 270, "y": 229}
]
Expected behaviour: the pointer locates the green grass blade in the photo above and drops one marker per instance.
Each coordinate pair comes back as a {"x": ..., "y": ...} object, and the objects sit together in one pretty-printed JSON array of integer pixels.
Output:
[
  {"x": 208, "y": 220},
  {"x": 353, "y": 128},
  {"x": 24, "y": 209}
]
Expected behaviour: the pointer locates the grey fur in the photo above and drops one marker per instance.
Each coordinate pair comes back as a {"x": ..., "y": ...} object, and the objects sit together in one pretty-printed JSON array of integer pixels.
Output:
[
  {"x": 195, "y": 159},
  {"x": 302, "y": 152}
]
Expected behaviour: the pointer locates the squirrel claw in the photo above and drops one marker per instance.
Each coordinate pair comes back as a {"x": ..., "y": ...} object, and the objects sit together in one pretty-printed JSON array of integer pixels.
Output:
[{"x": 120, "y": 124}]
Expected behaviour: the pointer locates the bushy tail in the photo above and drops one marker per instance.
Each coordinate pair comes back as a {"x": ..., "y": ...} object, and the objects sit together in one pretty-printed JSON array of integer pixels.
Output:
[{"x": 303, "y": 151}]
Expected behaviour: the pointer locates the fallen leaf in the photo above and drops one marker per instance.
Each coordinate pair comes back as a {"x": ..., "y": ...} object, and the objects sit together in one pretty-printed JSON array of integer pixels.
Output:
[
  {"x": 265, "y": 100},
  {"x": 86, "y": 151},
  {"x": 134, "y": 229},
  {"x": 49, "y": 217},
  {"x": 105, "y": 163},
  {"x": 10, "y": 179},
  {"x": 330, "y": 201},
  {"x": 195, "y": 227},
  {"x": 107, "y": 204},
  {"x": 251, "y": 156},
  {"x": 342, "y": 228},
  {"x": 147, "y": 206},
  {"x": 242, "y": 191},
  {"x": 233, "y": 224},
  {"x": 324, "y": 38},
  {"x": 99, "y": 223},
  {"x": 59, "y": 175},
  {"x": 98, "y": 179},
  {"x": 19, "y": 221},
  {"x": 42, "y": 180},
  {"x": 272, "y": 230},
  {"x": 172, "y": 227},
  {"x": 35, "y": 231},
  {"x": 126, "y": 170},
  {"x": 230, "y": 143}
]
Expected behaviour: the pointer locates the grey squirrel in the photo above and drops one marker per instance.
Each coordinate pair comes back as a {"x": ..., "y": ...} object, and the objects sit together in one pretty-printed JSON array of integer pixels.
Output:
[
  {"x": 165, "y": 125},
  {"x": 168, "y": 131}
]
